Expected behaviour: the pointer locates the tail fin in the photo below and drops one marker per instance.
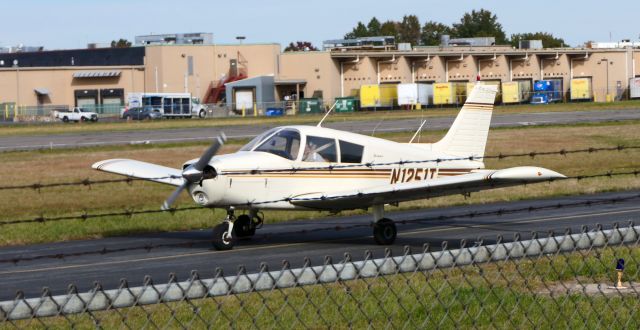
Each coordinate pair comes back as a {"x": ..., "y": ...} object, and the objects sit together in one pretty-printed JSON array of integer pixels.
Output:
[{"x": 468, "y": 134}]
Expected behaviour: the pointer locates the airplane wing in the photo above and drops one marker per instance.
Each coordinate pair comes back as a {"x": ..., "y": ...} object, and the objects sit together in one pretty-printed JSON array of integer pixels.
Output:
[
  {"x": 401, "y": 192},
  {"x": 141, "y": 170}
]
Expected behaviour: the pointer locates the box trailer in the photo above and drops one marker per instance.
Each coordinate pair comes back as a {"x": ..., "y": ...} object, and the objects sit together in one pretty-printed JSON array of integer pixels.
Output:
[
  {"x": 581, "y": 89},
  {"x": 414, "y": 94},
  {"x": 634, "y": 88},
  {"x": 449, "y": 93},
  {"x": 547, "y": 91},
  {"x": 516, "y": 91},
  {"x": 377, "y": 96}
]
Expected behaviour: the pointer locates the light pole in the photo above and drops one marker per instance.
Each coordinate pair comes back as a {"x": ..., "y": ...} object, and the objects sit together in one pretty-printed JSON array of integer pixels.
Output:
[{"x": 15, "y": 65}]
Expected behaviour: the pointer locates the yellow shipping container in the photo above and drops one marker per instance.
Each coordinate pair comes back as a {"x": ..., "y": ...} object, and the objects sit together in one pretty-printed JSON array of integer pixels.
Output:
[
  {"x": 581, "y": 89},
  {"x": 511, "y": 92},
  {"x": 378, "y": 95},
  {"x": 449, "y": 93}
]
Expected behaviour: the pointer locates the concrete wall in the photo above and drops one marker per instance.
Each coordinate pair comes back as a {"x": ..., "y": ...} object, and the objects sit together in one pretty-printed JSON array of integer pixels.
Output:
[
  {"x": 61, "y": 84},
  {"x": 317, "y": 69}
]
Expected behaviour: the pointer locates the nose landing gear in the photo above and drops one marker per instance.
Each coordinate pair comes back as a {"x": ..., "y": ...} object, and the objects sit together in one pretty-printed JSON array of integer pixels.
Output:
[{"x": 244, "y": 226}]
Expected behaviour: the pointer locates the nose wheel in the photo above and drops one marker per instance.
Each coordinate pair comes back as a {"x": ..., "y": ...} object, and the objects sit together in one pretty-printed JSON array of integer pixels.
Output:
[{"x": 244, "y": 226}]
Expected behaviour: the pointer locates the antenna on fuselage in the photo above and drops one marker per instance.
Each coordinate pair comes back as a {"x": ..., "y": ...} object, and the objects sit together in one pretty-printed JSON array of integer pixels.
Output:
[
  {"x": 418, "y": 131},
  {"x": 327, "y": 114}
]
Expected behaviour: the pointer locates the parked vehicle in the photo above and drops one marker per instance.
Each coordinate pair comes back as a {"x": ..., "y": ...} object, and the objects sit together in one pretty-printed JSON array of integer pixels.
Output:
[
  {"x": 547, "y": 91},
  {"x": 177, "y": 105},
  {"x": 140, "y": 113},
  {"x": 76, "y": 114}
]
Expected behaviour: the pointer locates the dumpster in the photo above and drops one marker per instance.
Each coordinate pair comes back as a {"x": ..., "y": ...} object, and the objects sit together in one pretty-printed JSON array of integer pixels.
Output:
[
  {"x": 310, "y": 105},
  {"x": 347, "y": 104}
]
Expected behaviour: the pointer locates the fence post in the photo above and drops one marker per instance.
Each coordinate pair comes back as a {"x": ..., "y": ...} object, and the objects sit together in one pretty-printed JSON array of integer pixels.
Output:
[
  {"x": 6, "y": 111},
  {"x": 255, "y": 109},
  {"x": 243, "y": 110},
  {"x": 294, "y": 108}
]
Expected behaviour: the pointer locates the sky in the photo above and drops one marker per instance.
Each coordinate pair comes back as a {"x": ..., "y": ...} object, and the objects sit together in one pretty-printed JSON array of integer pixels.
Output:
[{"x": 63, "y": 24}]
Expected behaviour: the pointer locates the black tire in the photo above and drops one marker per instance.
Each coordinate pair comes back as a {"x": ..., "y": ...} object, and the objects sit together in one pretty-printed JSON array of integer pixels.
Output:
[
  {"x": 243, "y": 227},
  {"x": 219, "y": 241},
  {"x": 385, "y": 232},
  {"x": 95, "y": 120},
  {"x": 202, "y": 114},
  {"x": 82, "y": 119},
  {"x": 65, "y": 119},
  {"x": 127, "y": 117}
]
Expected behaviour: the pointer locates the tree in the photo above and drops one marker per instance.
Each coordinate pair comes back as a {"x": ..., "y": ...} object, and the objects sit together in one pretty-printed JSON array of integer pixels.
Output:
[
  {"x": 373, "y": 28},
  {"x": 548, "y": 40},
  {"x": 122, "y": 43},
  {"x": 300, "y": 46},
  {"x": 389, "y": 28},
  {"x": 432, "y": 31},
  {"x": 409, "y": 30},
  {"x": 358, "y": 32},
  {"x": 481, "y": 23}
]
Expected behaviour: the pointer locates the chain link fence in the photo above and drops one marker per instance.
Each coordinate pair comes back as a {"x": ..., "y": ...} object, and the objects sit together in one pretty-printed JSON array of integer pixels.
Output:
[{"x": 558, "y": 281}]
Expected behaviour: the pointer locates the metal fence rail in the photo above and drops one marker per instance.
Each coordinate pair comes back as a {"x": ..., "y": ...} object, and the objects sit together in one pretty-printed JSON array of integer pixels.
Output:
[{"x": 557, "y": 281}]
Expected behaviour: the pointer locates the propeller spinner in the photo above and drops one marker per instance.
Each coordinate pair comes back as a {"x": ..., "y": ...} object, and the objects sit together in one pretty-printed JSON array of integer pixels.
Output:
[{"x": 194, "y": 173}]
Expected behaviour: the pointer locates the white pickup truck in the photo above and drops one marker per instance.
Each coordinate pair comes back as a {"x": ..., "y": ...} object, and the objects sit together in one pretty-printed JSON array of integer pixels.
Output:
[{"x": 76, "y": 114}]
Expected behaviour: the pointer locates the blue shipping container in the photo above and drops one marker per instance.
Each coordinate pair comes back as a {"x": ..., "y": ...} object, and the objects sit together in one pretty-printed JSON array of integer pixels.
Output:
[{"x": 547, "y": 91}]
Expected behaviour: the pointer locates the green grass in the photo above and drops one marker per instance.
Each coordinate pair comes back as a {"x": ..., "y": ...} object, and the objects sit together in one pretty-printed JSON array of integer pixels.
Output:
[
  {"x": 74, "y": 165},
  {"x": 510, "y": 294},
  {"x": 61, "y": 128}
]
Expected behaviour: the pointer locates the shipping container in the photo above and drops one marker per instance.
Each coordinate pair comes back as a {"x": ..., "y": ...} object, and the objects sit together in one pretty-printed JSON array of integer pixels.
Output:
[
  {"x": 310, "y": 105},
  {"x": 414, "y": 94},
  {"x": 449, "y": 93},
  {"x": 581, "y": 89},
  {"x": 377, "y": 96},
  {"x": 634, "y": 88},
  {"x": 547, "y": 91},
  {"x": 471, "y": 85},
  {"x": 347, "y": 104},
  {"x": 517, "y": 91}
]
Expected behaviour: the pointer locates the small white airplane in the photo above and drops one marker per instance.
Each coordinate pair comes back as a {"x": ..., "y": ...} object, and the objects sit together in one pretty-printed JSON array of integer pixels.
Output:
[{"x": 317, "y": 168}]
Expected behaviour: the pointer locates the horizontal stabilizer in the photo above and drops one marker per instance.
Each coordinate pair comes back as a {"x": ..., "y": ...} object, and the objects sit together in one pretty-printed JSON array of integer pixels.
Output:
[{"x": 141, "y": 170}]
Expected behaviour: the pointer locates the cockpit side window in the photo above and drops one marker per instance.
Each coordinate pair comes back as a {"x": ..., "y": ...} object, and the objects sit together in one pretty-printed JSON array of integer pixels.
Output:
[
  {"x": 319, "y": 149},
  {"x": 350, "y": 152},
  {"x": 285, "y": 143}
]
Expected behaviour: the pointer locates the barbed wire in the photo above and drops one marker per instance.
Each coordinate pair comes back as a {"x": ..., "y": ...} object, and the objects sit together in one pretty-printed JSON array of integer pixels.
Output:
[
  {"x": 130, "y": 213},
  {"x": 563, "y": 152},
  {"x": 332, "y": 227}
]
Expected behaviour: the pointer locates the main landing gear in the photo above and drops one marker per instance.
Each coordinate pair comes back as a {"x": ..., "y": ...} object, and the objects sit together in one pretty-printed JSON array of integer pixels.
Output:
[
  {"x": 244, "y": 226},
  {"x": 384, "y": 230}
]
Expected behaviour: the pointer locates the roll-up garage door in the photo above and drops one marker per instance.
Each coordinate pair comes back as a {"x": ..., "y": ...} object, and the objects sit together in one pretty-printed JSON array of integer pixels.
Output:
[{"x": 244, "y": 99}]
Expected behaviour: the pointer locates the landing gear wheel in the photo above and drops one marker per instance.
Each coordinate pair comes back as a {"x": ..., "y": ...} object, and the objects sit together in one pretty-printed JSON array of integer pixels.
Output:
[
  {"x": 384, "y": 232},
  {"x": 222, "y": 240},
  {"x": 243, "y": 227}
]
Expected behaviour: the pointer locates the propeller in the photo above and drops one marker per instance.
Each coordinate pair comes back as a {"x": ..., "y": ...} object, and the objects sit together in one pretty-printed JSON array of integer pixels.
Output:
[{"x": 194, "y": 172}]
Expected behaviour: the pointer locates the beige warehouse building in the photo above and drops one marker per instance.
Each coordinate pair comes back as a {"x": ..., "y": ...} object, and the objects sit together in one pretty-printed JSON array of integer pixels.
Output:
[{"x": 104, "y": 76}]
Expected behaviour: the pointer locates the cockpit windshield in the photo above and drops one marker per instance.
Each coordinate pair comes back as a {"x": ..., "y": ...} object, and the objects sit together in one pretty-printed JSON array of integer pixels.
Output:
[
  {"x": 285, "y": 143},
  {"x": 257, "y": 140}
]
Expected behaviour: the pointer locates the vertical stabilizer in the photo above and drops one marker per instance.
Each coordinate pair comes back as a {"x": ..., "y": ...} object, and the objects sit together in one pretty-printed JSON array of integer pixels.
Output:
[{"x": 468, "y": 134}]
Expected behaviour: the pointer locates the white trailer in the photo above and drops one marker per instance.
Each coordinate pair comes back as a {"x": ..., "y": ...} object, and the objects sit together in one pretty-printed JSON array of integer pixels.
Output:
[
  {"x": 413, "y": 94},
  {"x": 634, "y": 88}
]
